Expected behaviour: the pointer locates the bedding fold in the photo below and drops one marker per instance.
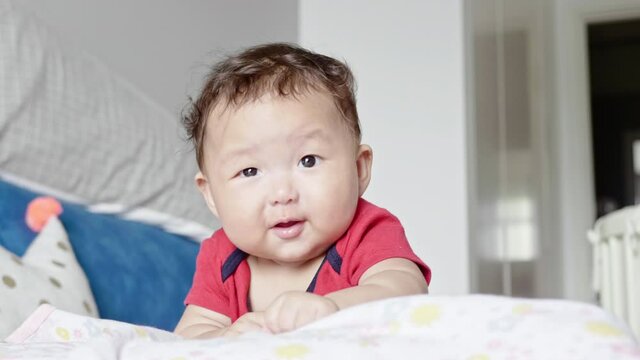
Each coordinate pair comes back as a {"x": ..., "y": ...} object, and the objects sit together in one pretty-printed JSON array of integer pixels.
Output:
[{"x": 422, "y": 326}]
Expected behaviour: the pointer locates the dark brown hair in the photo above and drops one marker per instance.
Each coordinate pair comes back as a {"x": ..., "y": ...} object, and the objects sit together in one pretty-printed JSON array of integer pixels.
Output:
[{"x": 279, "y": 69}]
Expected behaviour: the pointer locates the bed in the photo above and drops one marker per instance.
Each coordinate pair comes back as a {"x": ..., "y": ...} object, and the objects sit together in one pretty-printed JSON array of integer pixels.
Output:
[
  {"x": 105, "y": 274},
  {"x": 419, "y": 327}
]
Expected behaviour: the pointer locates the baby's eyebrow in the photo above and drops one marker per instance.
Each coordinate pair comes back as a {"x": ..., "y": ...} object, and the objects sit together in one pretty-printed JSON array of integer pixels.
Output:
[
  {"x": 296, "y": 139},
  {"x": 239, "y": 152},
  {"x": 310, "y": 135}
]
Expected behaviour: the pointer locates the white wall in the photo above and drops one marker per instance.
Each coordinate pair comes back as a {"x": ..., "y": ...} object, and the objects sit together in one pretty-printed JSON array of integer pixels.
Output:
[
  {"x": 164, "y": 47},
  {"x": 407, "y": 57},
  {"x": 408, "y": 60}
]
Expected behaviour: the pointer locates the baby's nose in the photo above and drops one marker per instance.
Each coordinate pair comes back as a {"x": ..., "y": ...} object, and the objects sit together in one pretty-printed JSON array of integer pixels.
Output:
[{"x": 284, "y": 191}]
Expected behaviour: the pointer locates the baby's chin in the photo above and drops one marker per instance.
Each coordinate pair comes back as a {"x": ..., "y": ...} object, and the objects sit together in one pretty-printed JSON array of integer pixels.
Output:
[{"x": 297, "y": 260}]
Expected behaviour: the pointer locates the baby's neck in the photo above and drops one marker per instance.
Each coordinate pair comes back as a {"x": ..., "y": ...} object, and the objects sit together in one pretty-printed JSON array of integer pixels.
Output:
[
  {"x": 269, "y": 279},
  {"x": 261, "y": 264}
]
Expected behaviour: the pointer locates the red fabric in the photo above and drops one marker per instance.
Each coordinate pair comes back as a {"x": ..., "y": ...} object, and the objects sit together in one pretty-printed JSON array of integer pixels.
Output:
[{"x": 374, "y": 235}]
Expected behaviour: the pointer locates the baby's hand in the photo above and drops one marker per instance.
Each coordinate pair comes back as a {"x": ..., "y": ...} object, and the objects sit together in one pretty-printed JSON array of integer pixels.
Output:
[
  {"x": 251, "y": 321},
  {"x": 294, "y": 309}
]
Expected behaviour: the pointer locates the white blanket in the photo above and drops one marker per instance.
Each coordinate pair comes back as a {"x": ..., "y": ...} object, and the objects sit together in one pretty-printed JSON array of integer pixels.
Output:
[{"x": 476, "y": 327}]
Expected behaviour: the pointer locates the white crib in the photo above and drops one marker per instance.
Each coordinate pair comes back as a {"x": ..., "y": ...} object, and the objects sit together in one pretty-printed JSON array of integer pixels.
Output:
[{"x": 616, "y": 260}]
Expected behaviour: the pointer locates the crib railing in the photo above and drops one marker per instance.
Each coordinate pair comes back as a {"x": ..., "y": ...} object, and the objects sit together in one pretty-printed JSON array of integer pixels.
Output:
[{"x": 616, "y": 264}]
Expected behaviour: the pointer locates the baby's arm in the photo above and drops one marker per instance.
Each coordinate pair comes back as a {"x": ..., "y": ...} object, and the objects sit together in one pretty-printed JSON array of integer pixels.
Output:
[
  {"x": 199, "y": 322},
  {"x": 388, "y": 278}
]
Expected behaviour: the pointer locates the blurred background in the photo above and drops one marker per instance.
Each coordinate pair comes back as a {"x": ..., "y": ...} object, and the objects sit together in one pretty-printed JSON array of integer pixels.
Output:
[{"x": 501, "y": 129}]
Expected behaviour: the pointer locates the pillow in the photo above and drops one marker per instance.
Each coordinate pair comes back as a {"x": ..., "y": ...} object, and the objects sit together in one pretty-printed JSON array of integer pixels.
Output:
[
  {"x": 71, "y": 128},
  {"x": 47, "y": 273},
  {"x": 138, "y": 273}
]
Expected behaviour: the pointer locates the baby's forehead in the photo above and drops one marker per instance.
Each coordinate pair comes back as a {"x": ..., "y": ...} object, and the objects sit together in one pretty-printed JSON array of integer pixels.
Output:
[
  {"x": 311, "y": 106},
  {"x": 290, "y": 122}
]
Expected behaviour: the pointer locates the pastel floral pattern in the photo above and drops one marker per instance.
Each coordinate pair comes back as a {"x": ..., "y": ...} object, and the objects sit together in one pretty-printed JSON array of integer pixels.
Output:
[{"x": 476, "y": 327}]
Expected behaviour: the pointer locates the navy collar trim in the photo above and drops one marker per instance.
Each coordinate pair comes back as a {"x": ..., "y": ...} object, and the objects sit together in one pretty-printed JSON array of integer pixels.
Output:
[
  {"x": 335, "y": 260},
  {"x": 231, "y": 264},
  {"x": 237, "y": 257}
]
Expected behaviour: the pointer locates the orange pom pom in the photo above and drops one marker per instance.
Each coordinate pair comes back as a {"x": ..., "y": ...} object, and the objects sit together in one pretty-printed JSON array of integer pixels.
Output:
[{"x": 40, "y": 210}]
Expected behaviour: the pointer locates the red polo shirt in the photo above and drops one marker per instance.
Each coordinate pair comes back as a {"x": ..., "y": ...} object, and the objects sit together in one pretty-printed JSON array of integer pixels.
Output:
[{"x": 222, "y": 278}]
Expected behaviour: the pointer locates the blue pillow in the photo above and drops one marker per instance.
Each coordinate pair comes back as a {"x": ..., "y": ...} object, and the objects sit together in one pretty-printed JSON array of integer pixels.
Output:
[{"x": 138, "y": 273}]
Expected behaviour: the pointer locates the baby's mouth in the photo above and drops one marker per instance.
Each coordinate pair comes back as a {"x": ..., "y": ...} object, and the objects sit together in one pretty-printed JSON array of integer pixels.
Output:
[
  {"x": 288, "y": 229},
  {"x": 287, "y": 224}
]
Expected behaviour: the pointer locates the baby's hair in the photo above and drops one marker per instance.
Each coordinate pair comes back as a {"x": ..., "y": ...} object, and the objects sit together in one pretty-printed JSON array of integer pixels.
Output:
[{"x": 277, "y": 69}]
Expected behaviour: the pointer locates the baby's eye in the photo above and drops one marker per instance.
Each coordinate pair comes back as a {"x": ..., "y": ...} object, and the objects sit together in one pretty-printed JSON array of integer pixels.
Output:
[
  {"x": 308, "y": 161},
  {"x": 248, "y": 172}
]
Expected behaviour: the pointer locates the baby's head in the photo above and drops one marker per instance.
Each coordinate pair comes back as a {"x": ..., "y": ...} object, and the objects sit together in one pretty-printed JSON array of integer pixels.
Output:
[
  {"x": 281, "y": 70},
  {"x": 277, "y": 141}
]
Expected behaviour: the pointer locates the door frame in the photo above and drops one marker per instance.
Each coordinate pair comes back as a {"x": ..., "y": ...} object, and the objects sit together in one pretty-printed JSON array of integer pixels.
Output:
[{"x": 571, "y": 131}]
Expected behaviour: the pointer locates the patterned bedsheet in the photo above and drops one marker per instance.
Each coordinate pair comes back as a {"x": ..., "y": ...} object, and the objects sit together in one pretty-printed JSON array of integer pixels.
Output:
[{"x": 475, "y": 327}]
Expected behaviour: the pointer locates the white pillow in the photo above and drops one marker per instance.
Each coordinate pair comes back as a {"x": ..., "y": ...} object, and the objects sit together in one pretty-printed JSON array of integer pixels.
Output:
[
  {"x": 71, "y": 127},
  {"x": 47, "y": 273}
]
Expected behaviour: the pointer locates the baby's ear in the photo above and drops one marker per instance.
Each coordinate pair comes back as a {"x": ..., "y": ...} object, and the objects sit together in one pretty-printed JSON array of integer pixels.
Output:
[
  {"x": 364, "y": 160},
  {"x": 203, "y": 186}
]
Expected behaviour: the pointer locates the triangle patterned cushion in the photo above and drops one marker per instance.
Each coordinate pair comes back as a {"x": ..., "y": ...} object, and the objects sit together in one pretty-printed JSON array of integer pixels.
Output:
[{"x": 47, "y": 273}]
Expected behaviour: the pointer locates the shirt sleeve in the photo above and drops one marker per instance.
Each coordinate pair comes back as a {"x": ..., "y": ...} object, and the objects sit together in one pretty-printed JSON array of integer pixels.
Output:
[
  {"x": 380, "y": 237},
  {"x": 207, "y": 289}
]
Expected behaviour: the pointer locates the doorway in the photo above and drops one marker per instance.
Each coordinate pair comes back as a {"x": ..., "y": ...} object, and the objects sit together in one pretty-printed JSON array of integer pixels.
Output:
[{"x": 614, "y": 77}]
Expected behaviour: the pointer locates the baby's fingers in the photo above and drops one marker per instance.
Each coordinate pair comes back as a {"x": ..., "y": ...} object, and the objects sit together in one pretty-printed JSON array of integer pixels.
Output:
[
  {"x": 248, "y": 322},
  {"x": 256, "y": 318},
  {"x": 273, "y": 317},
  {"x": 305, "y": 316},
  {"x": 241, "y": 328}
]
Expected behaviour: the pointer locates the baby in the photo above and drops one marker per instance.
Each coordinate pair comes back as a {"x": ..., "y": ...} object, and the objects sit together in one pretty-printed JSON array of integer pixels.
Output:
[{"x": 277, "y": 140}]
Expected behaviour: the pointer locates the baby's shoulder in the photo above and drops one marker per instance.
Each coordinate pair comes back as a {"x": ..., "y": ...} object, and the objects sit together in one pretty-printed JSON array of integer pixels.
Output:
[
  {"x": 218, "y": 245},
  {"x": 371, "y": 224},
  {"x": 369, "y": 215}
]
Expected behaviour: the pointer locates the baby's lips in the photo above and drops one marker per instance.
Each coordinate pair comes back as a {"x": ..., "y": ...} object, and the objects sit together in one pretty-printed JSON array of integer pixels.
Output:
[{"x": 40, "y": 210}]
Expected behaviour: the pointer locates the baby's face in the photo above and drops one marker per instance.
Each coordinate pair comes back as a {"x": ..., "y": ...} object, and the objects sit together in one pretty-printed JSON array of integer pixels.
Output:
[{"x": 282, "y": 175}]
